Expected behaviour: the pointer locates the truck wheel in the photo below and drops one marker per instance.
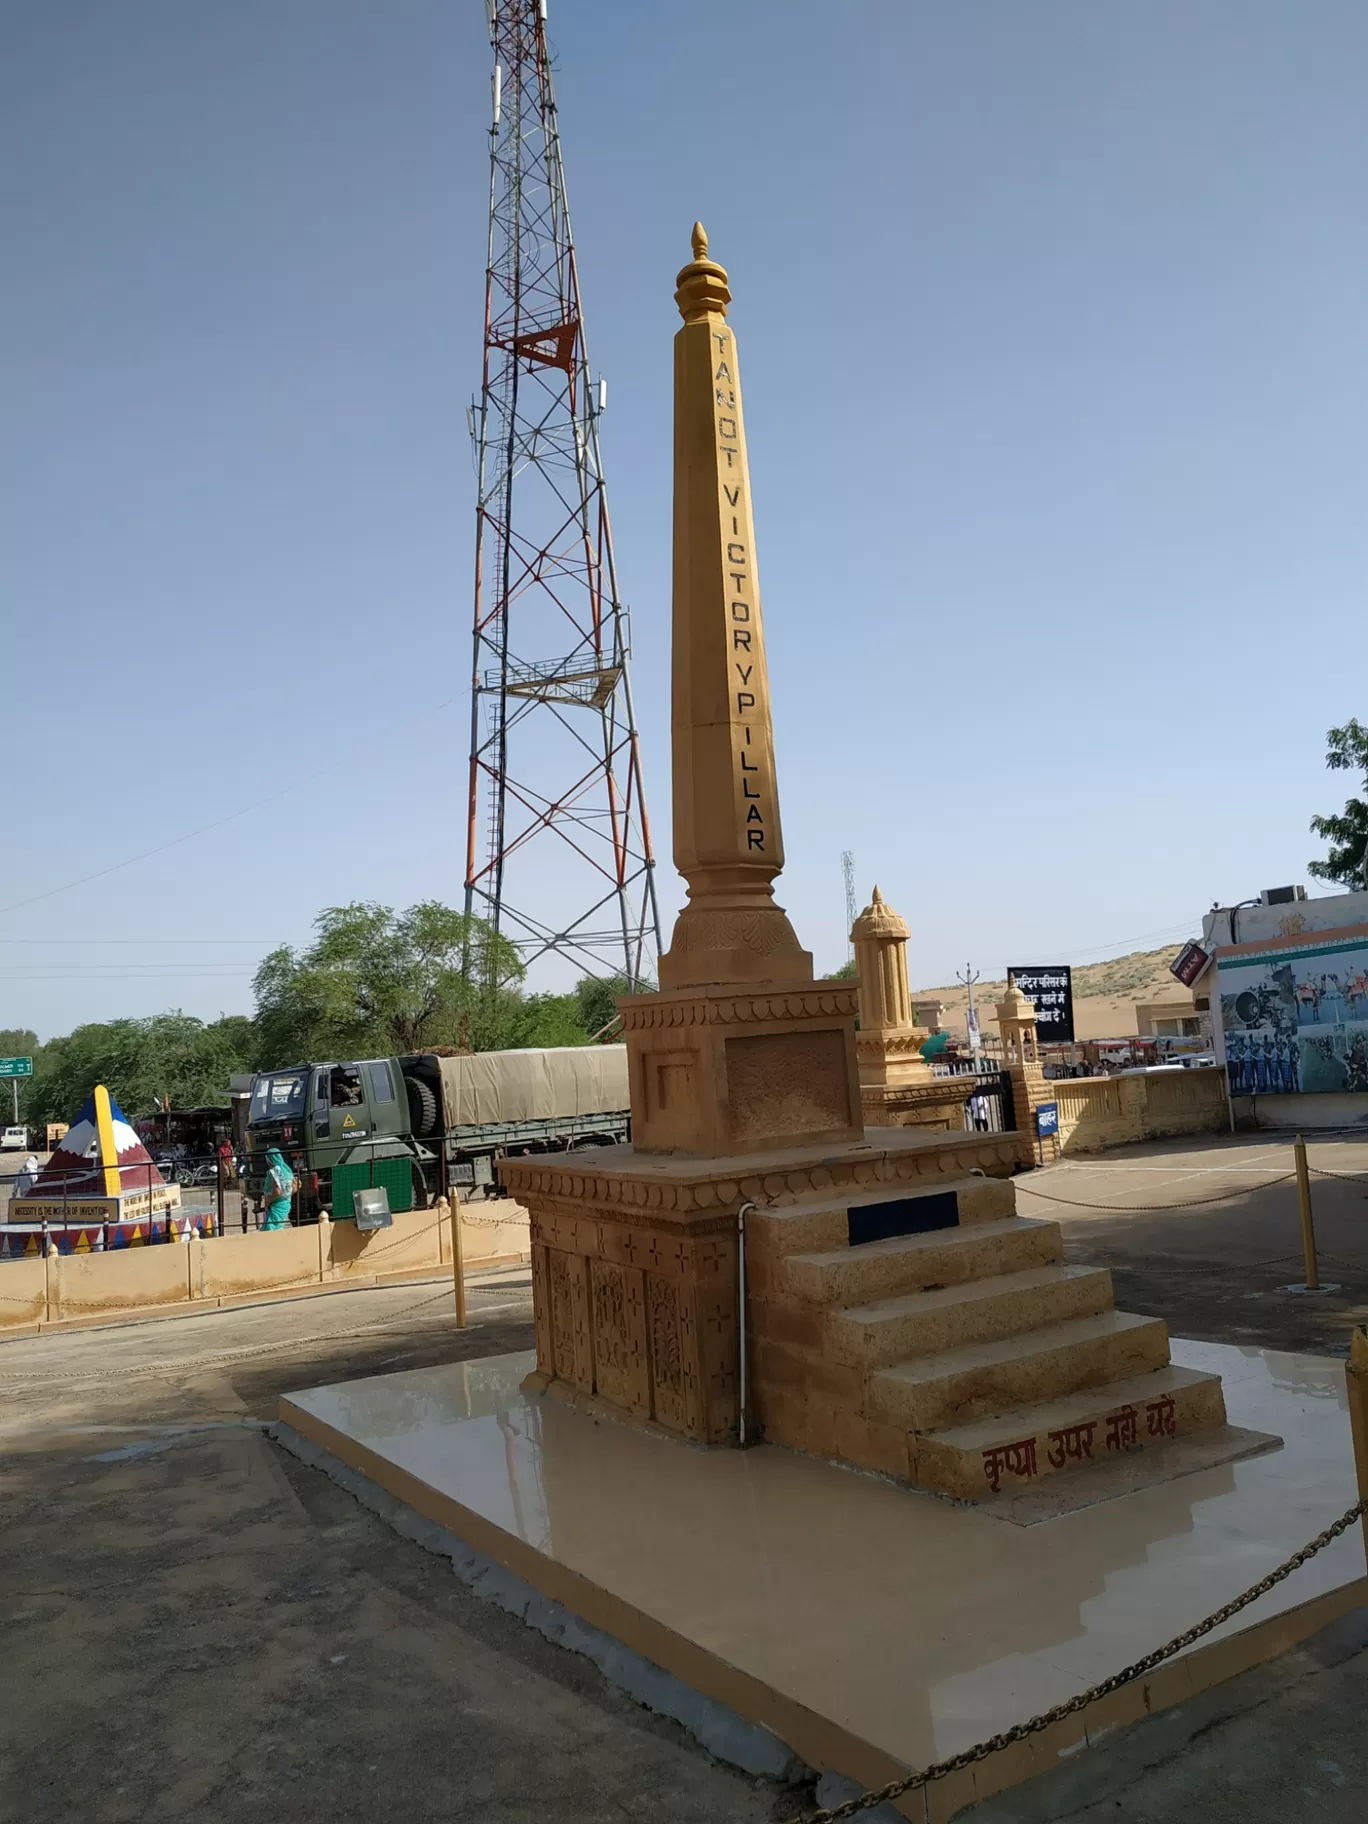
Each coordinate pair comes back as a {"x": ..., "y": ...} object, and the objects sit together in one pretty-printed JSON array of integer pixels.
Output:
[{"x": 422, "y": 1108}]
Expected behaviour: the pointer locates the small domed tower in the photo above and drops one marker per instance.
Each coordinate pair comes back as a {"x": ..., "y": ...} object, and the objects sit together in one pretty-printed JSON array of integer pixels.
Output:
[
  {"x": 1016, "y": 1018},
  {"x": 888, "y": 1044}
]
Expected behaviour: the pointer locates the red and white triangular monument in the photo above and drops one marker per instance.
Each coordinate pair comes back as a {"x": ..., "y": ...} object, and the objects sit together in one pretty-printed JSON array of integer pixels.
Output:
[{"x": 100, "y": 1171}]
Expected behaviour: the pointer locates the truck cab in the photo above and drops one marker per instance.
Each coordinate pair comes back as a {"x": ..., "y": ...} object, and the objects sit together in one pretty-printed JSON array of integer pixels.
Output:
[{"x": 342, "y": 1127}]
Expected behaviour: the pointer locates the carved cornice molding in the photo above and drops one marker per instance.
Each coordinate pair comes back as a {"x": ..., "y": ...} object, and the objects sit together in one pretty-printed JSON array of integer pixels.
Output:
[
  {"x": 900, "y": 1042},
  {"x": 737, "y": 1007},
  {"x": 547, "y": 1180},
  {"x": 942, "y": 1090}
]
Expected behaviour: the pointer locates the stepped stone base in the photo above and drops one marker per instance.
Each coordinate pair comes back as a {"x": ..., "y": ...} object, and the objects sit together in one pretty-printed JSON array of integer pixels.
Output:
[
  {"x": 937, "y": 1337},
  {"x": 900, "y": 1316},
  {"x": 634, "y": 1256}
]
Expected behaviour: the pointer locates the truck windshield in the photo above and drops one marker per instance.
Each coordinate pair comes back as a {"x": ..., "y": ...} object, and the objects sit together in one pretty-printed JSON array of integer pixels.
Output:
[{"x": 279, "y": 1097}]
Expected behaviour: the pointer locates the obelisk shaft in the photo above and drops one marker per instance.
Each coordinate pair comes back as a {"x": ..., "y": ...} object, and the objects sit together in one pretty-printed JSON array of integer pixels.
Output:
[{"x": 728, "y": 842}]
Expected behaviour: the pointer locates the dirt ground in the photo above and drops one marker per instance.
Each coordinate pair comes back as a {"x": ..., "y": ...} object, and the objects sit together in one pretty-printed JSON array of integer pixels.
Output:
[{"x": 196, "y": 1626}]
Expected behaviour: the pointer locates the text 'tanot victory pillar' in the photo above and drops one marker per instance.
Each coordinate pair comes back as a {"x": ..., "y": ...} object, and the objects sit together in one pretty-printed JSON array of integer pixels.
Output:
[{"x": 728, "y": 844}]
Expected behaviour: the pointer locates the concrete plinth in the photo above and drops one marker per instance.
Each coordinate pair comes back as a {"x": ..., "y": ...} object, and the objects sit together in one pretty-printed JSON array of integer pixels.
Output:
[{"x": 871, "y": 1627}]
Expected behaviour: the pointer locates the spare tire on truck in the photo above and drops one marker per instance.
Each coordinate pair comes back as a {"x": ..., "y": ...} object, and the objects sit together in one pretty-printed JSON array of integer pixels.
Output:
[{"x": 422, "y": 1108}]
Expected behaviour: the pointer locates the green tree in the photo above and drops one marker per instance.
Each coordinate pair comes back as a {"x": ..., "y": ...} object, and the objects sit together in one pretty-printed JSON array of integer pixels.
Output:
[
  {"x": 171, "y": 1055},
  {"x": 596, "y": 999},
  {"x": 1347, "y": 834},
  {"x": 376, "y": 982},
  {"x": 846, "y": 973}
]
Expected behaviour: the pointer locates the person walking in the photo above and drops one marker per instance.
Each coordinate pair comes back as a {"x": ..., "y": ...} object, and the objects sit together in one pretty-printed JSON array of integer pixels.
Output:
[{"x": 277, "y": 1189}]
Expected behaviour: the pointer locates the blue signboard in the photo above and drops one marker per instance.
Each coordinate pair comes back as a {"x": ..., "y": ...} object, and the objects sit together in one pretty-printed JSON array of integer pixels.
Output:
[{"x": 1047, "y": 1119}]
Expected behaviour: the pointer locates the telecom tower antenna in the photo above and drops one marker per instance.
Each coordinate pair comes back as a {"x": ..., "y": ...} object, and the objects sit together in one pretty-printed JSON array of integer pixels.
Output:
[
  {"x": 852, "y": 910},
  {"x": 563, "y": 864}
]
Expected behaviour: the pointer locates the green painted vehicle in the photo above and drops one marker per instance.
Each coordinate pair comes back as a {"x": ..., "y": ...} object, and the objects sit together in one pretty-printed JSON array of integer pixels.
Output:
[
  {"x": 430, "y": 1121},
  {"x": 343, "y": 1128}
]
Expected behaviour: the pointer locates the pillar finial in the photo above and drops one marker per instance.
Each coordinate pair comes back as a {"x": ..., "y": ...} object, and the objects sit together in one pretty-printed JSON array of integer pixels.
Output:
[{"x": 702, "y": 289}]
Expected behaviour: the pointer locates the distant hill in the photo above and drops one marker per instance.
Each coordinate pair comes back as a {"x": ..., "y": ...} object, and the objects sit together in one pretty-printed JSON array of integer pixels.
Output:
[{"x": 1105, "y": 994}]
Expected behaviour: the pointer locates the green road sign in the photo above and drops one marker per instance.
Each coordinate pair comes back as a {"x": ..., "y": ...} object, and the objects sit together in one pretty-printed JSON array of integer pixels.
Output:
[{"x": 16, "y": 1067}]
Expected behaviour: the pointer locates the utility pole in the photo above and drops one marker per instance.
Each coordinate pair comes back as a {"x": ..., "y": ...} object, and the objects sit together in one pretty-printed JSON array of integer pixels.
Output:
[
  {"x": 852, "y": 910},
  {"x": 967, "y": 980},
  {"x": 558, "y": 846}
]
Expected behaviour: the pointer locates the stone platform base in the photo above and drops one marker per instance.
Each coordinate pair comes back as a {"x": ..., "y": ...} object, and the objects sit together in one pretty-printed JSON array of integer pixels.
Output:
[{"x": 872, "y": 1627}]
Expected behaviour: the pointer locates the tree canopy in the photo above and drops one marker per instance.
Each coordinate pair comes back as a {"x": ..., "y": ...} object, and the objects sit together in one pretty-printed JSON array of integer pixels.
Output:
[
  {"x": 376, "y": 983},
  {"x": 1347, "y": 834},
  {"x": 373, "y": 983},
  {"x": 171, "y": 1055},
  {"x": 380, "y": 983}
]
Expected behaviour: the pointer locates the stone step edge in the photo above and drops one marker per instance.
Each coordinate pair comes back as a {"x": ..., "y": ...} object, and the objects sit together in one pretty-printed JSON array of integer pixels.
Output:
[
  {"x": 837, "y": 1202},
  {"x": 1096, "y": 1404},
  {"x": 1057, "y": 1362},
  {"x": 1002, "y": 1351},
  {"x": 969, "y": 1291},
  {"x": 964, "y": 1235}
]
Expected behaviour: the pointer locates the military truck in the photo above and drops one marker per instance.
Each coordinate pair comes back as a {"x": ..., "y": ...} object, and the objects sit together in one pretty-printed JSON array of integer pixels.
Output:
[{"x": 421, "y": 1124}]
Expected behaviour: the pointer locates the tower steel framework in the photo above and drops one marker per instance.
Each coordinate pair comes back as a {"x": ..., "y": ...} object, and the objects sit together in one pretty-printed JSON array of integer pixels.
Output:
[{"x": 558, "y": 853}]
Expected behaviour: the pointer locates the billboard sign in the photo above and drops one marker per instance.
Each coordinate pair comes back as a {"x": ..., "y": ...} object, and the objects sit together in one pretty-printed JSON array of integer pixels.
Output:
[
  {"x": 1295, "y": 1018},
  {"x": 1050, "y": 992},
  {"x": 1189, "y": 963}
]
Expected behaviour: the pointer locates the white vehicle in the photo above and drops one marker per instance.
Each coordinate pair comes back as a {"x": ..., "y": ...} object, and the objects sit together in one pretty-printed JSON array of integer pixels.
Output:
[{"x": 14, "y": 1140}]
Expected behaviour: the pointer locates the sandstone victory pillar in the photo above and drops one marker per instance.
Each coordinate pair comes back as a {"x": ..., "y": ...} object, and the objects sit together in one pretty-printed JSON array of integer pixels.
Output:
[
  {"x": 728, "y": 844},
  {"x": 741, "y": 1050}
]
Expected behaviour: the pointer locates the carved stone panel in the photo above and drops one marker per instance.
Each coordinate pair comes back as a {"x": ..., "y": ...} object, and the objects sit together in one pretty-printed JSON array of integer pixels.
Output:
[
  {"x": 583, "y": 1324},
  {"x": 619, "y": 1336},
  {"x": 782, "y": 1083},
  {"x": 541, "y": 1312},
  {"x": 560, "y": 1269},
  {"x": 668, "y": 1401}
]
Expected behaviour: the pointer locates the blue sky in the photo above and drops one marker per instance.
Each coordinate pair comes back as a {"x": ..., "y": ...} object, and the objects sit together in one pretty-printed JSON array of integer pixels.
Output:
[{"x": 1056, "y": 364}]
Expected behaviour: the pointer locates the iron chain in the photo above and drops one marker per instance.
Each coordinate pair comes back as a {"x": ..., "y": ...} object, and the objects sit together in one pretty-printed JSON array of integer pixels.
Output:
[
  {"x": 969, "y": 1757},
  {"x": 13, "y": 1383},
  {"x": 1126, "y": 1209}
]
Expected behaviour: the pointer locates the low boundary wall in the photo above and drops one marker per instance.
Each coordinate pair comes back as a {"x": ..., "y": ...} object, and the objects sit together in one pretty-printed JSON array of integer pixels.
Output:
[
  {"x": 237, "y": 1269},
  {"x": 1096, "y": 1113}
]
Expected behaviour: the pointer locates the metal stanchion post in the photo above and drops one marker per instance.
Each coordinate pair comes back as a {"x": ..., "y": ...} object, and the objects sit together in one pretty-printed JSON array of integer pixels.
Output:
[
  {"x": 1356, "y": 1378},
  {"x": 1307, "y": 1225},
  {"x": 457, "y": 1260}
]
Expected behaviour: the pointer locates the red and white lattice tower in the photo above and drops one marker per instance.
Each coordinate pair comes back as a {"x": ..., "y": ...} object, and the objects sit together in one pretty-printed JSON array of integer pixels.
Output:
[{"x": 559, "y": 849}]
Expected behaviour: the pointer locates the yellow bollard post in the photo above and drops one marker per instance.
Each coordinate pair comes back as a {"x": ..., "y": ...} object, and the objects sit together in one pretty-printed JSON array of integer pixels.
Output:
[
  {"x": 1356, "y": 1379},
  {"x": 1307, "y": 1226},
  {"x": 458, "y": 1261}
]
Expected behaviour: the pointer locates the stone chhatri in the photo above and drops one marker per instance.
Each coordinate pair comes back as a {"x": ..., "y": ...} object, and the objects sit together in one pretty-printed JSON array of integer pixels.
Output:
[{"x": 890, "y": 1041}]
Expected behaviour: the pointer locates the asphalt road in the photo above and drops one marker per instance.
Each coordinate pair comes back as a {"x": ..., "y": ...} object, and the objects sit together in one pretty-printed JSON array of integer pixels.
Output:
[
  {"x": 196, "y": 1626},
  {"x": 1216, "y": 1261}
]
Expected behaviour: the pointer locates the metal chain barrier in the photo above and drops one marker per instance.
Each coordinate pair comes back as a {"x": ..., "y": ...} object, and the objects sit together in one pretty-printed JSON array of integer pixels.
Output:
[
  {"x": 969, "y": 1757},
  {"x": 1188, "y": 1203},
  {"x": 490, "y": 1222},
  {"x": 1359, "y": 1178},
  {"x": 14, "y": 1383}
]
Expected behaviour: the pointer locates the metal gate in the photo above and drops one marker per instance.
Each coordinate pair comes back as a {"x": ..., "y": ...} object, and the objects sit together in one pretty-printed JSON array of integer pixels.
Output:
[{"x": 988, "y": 1107}]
